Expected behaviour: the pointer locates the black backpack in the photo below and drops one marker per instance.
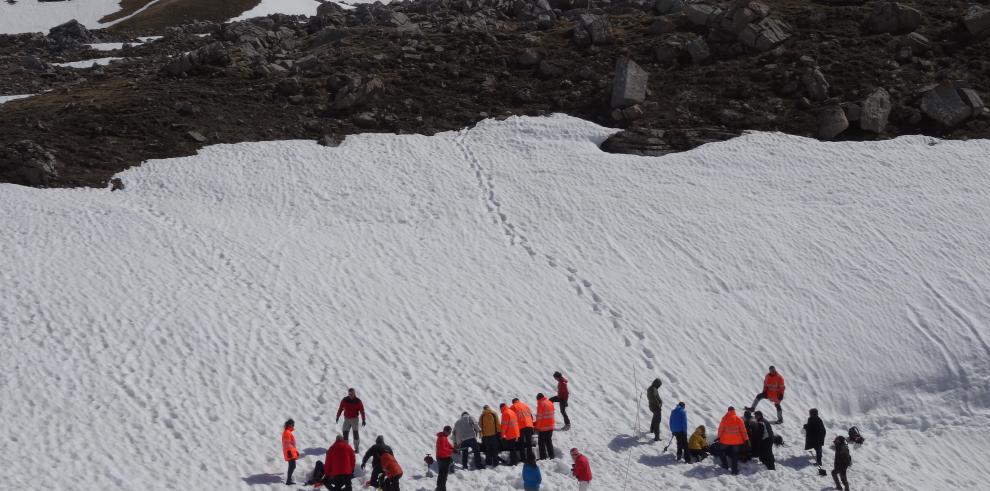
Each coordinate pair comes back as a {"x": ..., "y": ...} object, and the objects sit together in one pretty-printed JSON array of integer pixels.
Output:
[{"x": 855, "y": 436}]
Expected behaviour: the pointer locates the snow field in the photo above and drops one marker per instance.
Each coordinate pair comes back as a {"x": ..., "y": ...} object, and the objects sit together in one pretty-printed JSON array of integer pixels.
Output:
[
  {"x": 34, "y": 16},
  {"x": 88, "y": 63},
  {"x": 8, "y": 98},
  {"x": 158, "y": 336}
]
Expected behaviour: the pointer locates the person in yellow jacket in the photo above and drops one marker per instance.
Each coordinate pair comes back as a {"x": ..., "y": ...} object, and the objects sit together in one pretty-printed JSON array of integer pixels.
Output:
[
  {"x": 488, "y": 421},
  {"x": 510, "y": 433},
  {"x": 697, "y": 445}
]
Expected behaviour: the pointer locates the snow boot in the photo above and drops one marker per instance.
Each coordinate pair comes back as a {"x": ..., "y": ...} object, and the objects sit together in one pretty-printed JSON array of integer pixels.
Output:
[{"x": 566, "y": 427}]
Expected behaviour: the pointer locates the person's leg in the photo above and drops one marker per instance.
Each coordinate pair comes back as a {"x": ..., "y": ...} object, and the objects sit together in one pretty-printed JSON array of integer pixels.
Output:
[
  {"x": 317, "y": 474},
  {"x": 550, "y": 453},
  {"x": 491, "y": 450},
  {"x": 734, "y": 458},
  {"x": 442, "y": 475},
  {"x": 563, "y": 409},
  {"x": 292, "y": 468},
  {"x": 682, "y": 444},
  {"x": 835, "y": 477},
  {"x": 818, "y": 456},
  {"x": 377, "y": 476},
  {"x": 655, "y": 425},
  {"x": 723, "y": 458},
  {"x": 346, "y": 430},
  {"x": 759, "y": 397},
  {"x": 476, "y": 449},
  {"x": 845, "y": 482},
  {"x": 780, "y": 412},
  {"x": 355, "y": 427},
  {"x": 345, "y": 483}
]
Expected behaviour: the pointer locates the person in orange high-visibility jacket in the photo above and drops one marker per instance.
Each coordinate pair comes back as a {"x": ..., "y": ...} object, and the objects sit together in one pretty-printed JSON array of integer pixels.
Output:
[
  {"x": 393, "y": 472},
  {"x": 732, "y": 434},
  {"x": 544, "y": 426},
  {"x": 289, "y": 451},
  {"x": 510, "y": 433},
  {"x": 773, "y": 389},
  {"x": 526, "y": 429}
]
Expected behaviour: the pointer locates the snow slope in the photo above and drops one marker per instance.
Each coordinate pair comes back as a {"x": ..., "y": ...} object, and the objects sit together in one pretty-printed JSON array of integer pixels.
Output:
[
  {"x": 34, "y": 16},
  {"x": 8, "y": 98},
  {"x": 158, "y": 336},
  {"x": 290, "y": 7}
]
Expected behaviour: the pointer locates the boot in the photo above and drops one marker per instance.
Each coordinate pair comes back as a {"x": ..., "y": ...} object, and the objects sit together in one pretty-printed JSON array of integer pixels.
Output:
[{"x": 780, "y": 414}]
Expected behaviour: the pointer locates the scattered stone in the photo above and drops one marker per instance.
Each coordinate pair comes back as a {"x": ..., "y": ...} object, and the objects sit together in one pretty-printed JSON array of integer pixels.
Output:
[
  {"x": 655, "y": 143},
  {"x": 945, "y": 105},
  {"x": 876, "y": 111},
  {"x": 853, "y": 111},
  {"x": 34, "y": 64},
  {"x": 904, "y": 55},
  {"x": 663, "y": 25},
  {"x": 357, "y": 92},
  {"x": 592, "y": 30},
  {"x": 664, "y": 7},
  {"x": 815, "y": 84},
  {"x": 548, "y": 70},
  {"x": 731, "y": 117},
  {"x": 289, "y": 86},
  {"x": 632, "y": 113},
  {"x": 892, "y": 17},
  {"x": 668, "y": 53},
  {"x": 70, "y": 31},
  {"x": 196, "y": 136},
  {"x": 918, "y": 42},
  {"x": 699, "y": 51},
  {"x": 766, "y": 34},
  {"x": 365, "y": 120},
  {"x": 307, "y": 63},
  {"x": 702, "y": 14},
  {"x": 25, "y": 162},
  {"x": 831, "y": 122},
  {"x": 977, "y": 21},
  {"x": 329, "y": 140},
  {"x": 214, "y": 54},
  {"x": 737, "y": 19},
  {"x": 529, "y": 58},
  {"x": 629, "y": 85},
  {"x": 116, "y": 184},
  {"x": 185, "y": 108}
]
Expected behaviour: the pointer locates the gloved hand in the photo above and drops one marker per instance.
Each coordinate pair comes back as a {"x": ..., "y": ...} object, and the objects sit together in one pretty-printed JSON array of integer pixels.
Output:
[
  {"x": 362, "y": 466},
  {"x": 782, "y": 396},
  {"x": 364, "y": 423},
  {"x": 338, "y": 419}
]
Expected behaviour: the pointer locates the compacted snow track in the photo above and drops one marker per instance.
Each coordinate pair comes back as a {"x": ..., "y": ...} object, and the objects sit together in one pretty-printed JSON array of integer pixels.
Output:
[{"x": 158, "y": 336}]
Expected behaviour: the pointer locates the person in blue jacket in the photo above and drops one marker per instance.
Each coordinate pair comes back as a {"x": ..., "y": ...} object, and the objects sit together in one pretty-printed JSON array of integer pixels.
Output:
[
  {"x": 679, "y": 426},
  {"x": 531, "y": 475}
]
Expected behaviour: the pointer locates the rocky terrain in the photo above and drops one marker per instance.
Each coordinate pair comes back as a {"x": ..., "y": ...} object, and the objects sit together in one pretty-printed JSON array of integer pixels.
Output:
[{"x": 675, "y": 73}]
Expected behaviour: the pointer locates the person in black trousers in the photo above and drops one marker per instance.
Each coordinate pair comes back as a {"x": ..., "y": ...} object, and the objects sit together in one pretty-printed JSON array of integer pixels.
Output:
[{"x": 814, "y": 435}]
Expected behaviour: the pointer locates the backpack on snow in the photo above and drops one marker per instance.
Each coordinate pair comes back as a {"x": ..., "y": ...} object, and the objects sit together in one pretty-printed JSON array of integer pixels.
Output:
[{"x": 855, "y": 436}]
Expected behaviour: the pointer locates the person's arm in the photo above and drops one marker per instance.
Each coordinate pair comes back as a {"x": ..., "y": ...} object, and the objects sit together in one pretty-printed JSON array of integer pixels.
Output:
[
  {"x": 364, "y": 419},
  {"x": 340, "y": 409}
]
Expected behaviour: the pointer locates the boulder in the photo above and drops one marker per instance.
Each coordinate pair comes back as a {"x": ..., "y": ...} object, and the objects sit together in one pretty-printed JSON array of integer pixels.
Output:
[
  {"x": 213, "y": 54},
  {"x": 875, "y": 111},
  {"x": 663, "y": 25},
  {"x": 664, "y": 7},
  {"x": 25, "y": 162},
  {"x": 892, "y": 17},
  {"x": 329, "y": 8},
  {"x": 917, "y": 42},
  {"x": 591, "y": 30},
  {"x": 699, "y": 51},
  {"x": 945, "y": 104},
  {"x": 548, "y": 70},
  {"x": 831, "y": 122},
  {"x": 766, "y": 34},
  {"x": 529, "y": 58},
  {"x": 71, "y": 31},
  {"x": 34, "y": 64},
  {"x": 650, "y": 142},
  {"x": 735, "y": 20},
  {"x": 629, "y": 85},
  {"x": 668, "y": 53},
  {"x": 815, "y": 84},
  {"x": 702, "y": 14},
  {"x": 977, "y": 21},
  {"x": 307, "y": 63}
]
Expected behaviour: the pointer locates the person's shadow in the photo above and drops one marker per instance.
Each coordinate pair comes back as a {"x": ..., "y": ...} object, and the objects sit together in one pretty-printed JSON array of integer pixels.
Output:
[
  {"x": 625, "y": 442},
  {"x": 263, "y": 479},
  {"x": 659, "y": 460},
  {"x": 314, "y": 452}
]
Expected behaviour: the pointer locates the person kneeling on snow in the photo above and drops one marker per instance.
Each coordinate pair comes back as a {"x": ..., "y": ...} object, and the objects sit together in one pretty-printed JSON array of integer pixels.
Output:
[
  {"x": 698, "y": 445},
  {"x": 392, "y": 472},
  {"x": 531, "y": 475}
]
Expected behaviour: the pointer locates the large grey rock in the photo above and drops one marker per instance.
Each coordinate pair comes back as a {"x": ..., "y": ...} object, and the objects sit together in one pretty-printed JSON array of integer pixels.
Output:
[
  {"x": 629, "y": 85},
  {"x": 664, "y": 7},
  {"x": 892, "y": 17},
  {"x": 34, "y": 64},
  {"x": 917, "y": 42},
  {"x": 668, "y": 53},
  {"x": 702, "y": 14},
  {"x": 977, "y": 21},
  {"x": 875, "y": 111},
  {"x": 651, "y": 142},
  {"x": 329, "y": 8},
  {"x": 945, "y": 105},
  {"x": 736, "y": 19},
  {"x": 213, "y": 54},
  {"x": 592, "y": 29},
  {"x": 766, "y": 34},
  {"x": 815, "y": 84},
  {"x": 663, "y": 25},
  {"x": 831, "y": 122},
  {"x": 71, "y": 31},
  {"x": 699, "y": 51},
  {"x": 26, "y": 162}
]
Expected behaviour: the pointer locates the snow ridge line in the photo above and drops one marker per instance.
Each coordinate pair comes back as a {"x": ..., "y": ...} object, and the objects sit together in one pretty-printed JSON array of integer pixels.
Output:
[{"x": 580, "y": 284}]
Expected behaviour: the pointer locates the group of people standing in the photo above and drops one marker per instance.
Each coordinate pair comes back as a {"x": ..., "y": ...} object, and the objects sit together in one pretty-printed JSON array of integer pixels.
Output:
[{"x": 741, "y": 438}]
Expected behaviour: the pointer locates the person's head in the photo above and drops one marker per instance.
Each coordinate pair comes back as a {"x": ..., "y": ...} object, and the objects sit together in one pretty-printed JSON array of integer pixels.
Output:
[
  {"x": 502, "y": 406},
  {"x": 759, "y": 415},
  {"x": 839, "y": 441},
  {"x": 339, "y": 438},
  {"x": 657, "y": 383},
  {"x": 773, "y": 369},
  {"x": 812, "y": 412},
  {"x": 380, "y": 440},
  {"x": 747, "y": 414},
  {"x": 486, "y": 407},
  {"x": 540, "y": 396},
  {"x": 351, "y": 392},
  {"x": 681, "y": 405},
  {"x": 289, "y": 424},
  {"x": 557, "y": 375},
  {"x": 465, "y": 413},
  {"x": 447, "y": 430},
  {"x": 700, "y": 429},
  {"x": 575, "y": 453}
]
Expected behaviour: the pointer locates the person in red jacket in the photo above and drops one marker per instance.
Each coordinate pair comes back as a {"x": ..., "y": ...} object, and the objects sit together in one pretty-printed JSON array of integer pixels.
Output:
[
  {"x": 773, "y": 389},
  {"x": 445, "y": 453},
  {"x": 561, "y": 399},
  {"x": 392, "y": 471},
  {"x": 733, "y": 436},
  {"x": 339, "y": 468},
  {"x": 581, "y": 469},
  {"x": 352, "y": 407},
  {"x": 289, "y": 451}
]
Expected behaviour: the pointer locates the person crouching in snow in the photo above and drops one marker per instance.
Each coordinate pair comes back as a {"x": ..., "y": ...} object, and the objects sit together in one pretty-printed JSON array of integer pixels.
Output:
[
  {"x": 581, "y": 469},
  {"x": 289, "y": 451},
  {"x": 698, "y": 445},
  {"x": 392, "y": 472},
  {"x": 773, "y": 389},
  {"x": 338, "y": 471},
  {"x": 531, "y": 475},
  {"x": 375, "y": 455}
]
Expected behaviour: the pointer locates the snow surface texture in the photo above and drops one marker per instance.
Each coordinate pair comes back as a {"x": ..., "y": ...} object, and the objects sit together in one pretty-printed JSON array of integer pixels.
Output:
[
  {"x": 108, "y": 46},
  {"x": 88, "y": 63},
  {"x": 34, "y": 16},
  {"x": 8, "y": 98},
  {"x": 157, "y": 337},
  {"x": 289, "y": 7}
]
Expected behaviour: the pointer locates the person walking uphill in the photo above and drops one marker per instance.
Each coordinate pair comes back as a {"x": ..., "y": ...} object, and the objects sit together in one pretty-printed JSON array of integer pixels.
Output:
[
  {"x": 445, "y": 453},
  {"x": 339, "y": 468},
  {"x": 842, "y": 463},
  {"x": 489, "y": 435},
  {"x": 375, "y": 454},
  {"x": 732, "y": 435},
  {"x": 656, "y": 405},
  {"x": 563, "y": 394},
  {"x": 773, "y": 389},
  {"x": 510, "y": 433},
  {"x": 544, "y": 427},
  {"x": 524, "y": 415},
  {"x": 289, "y": 451},
  {"x": 466, "y": 438},
  {"x": 581, "y": 469},
  {"x": 352, "y": 407},
  {"x": 814, "y": 435},
  {"x": 678, "y": 426},
  {"x": 392, "y": 471}
]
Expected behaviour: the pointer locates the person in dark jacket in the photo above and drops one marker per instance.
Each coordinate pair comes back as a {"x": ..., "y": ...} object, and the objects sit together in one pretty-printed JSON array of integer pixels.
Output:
[
  {"x": 763, "y": 445},
  {"x": 375, "y": 455},
  {"x": 842, "y": 463},
  {"x": 678, "y": 427},
  {"x": 656, "y": 406},
  {"x": 814, "y": 435},
  {"x": 752, "y": 428}
]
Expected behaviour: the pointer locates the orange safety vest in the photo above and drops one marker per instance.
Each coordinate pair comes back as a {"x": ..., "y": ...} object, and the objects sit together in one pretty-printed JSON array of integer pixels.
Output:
[
  {"x": 732, "y": 430},
  {"x": 544, "y": 415},
  {"x": 524, "y": 413},
  {"x": 289, "y": 451},
  {"x": 510, "y": 425},
  {"x": 773, "y": 386}
]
